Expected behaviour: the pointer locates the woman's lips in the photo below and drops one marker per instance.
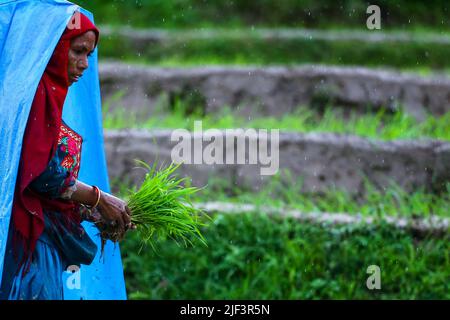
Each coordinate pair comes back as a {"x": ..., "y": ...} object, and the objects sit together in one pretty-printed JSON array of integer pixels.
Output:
[{"x": 76, "y": 77}]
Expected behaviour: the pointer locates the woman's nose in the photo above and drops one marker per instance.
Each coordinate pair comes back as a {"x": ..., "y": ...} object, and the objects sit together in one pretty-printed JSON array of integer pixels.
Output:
[{"x": 83, "y": 63}]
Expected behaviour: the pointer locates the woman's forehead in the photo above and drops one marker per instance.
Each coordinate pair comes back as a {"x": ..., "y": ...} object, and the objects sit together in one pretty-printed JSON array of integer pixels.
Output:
[{"x": 87, "y": 37}]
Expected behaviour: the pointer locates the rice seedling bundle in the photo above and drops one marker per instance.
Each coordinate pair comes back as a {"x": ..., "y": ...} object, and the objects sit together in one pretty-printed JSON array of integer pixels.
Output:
[{"x": 161, "y": 208}]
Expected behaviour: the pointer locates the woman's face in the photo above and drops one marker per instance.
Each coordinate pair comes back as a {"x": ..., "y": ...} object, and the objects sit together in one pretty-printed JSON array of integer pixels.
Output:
[{"x": 81, "y": 48}]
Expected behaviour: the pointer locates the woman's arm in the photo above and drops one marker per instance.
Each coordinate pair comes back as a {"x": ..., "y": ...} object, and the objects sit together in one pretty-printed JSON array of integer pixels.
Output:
[
  {"x": 57, "y": 182},
  {"x": 84, "y": 194}
]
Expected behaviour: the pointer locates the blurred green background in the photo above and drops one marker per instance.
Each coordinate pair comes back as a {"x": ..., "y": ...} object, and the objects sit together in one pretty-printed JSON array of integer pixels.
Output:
[
  {"x": 399, "y": 14},
  {"x": 251, "y": 255}
]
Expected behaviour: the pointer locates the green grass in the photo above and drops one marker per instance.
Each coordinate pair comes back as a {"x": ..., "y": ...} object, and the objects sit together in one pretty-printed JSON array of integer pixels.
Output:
[
  {"x": 393, "y": 201},
  {"x": 250, "y": 50},
  {"x": 381, "y": 125},
  {"x": 292, "y": 13},
  {"x": 252, "y": 256},
  {"x": 287, "y": 192}
]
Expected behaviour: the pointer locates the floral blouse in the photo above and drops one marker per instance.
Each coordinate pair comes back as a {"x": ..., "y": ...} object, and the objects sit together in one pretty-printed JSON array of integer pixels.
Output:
[{"x": 58, "y": 179}]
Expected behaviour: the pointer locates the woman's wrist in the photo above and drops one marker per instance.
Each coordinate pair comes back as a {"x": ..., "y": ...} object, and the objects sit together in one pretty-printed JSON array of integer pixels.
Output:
[
  {"x": 97, "y": 197},
  {"x": 102, "y": 201},
  {"x": 86, "y": 194}
]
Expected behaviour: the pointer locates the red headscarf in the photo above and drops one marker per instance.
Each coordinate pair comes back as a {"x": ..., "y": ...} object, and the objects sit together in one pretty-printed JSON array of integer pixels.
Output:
[{"x": 40, "y": 141}]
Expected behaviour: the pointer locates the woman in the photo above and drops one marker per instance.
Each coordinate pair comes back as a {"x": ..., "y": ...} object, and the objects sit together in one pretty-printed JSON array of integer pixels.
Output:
[{"x": 45, "y": 235}]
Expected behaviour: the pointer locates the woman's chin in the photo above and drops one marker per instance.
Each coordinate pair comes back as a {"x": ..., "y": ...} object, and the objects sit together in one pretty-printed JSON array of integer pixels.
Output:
[{"x": 72, "y": 80}]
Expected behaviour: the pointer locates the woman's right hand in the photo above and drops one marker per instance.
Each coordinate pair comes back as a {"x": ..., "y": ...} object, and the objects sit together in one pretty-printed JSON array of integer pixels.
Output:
[{"x": 115, "y": 212}]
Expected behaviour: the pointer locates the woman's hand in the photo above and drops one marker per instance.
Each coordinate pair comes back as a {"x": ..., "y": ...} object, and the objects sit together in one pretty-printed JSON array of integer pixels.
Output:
[
  {"x": 111, "y": 212},
  {"x": 115, "y": 212}
]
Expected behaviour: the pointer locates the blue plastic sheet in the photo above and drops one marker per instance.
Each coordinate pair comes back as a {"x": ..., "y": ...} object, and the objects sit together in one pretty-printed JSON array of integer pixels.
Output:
[{"x": 29, "y": 32}]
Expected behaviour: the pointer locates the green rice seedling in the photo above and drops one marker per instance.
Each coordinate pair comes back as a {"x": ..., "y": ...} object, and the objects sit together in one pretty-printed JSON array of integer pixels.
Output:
[{"x": 162, "y": 209}]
